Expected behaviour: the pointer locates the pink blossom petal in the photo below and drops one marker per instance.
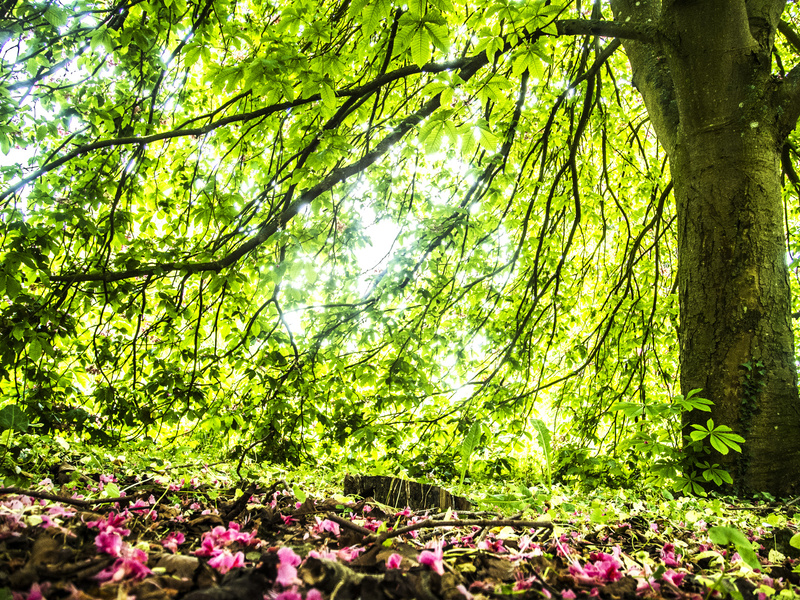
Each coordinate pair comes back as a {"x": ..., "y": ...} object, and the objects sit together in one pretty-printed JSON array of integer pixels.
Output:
[
  {"x": 225, "y": 561},
  {"x": 668, "y": 556},
  {"x": 324, "y": 554},
  {"x": 287, "y": 574},
  {"x": 673, "y": 577},
  {"x": 433, "y": 559},
  {"x": 288, "y": 556},
  {"x": 393, "y": 562},
  {"x": 464, "y": 592},
  {"x": 131, "y": 565},
  {"x": 173, "y": 540},
  {"x": 326, "y": 525},
  {"x": 35, "y": 593},
  {"x": 57, "y": 510},
  {"x": 109, "y": 543},
  {"x": 349, "y": 553}
]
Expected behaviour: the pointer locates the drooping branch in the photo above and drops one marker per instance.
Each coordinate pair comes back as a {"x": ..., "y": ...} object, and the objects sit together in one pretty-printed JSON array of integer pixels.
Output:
[
  {"x": 468, "y": 66},
  {"x": 565, "y": 27},
  {"x": 183, "y": 131},
  {"x": 269, "y": 228}
]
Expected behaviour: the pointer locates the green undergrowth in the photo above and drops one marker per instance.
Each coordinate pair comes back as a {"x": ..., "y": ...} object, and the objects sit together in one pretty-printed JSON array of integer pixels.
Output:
[{"x": 31, "y": 458}]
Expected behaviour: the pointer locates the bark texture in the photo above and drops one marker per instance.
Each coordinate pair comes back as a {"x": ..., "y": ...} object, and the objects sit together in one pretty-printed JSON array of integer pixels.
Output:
[{"x": 707, "y": 84}]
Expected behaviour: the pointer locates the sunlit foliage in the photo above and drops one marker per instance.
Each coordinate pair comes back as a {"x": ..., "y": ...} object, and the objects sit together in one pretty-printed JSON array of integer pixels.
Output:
[{"x": 346, "y": 229}]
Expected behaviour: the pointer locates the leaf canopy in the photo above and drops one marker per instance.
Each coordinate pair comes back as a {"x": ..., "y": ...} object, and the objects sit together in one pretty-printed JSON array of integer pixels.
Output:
[{"x": 356, "y": 223}]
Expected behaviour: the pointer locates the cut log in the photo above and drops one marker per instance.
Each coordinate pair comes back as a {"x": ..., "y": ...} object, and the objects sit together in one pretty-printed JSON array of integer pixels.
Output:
[{"x": 400, "y": 493}]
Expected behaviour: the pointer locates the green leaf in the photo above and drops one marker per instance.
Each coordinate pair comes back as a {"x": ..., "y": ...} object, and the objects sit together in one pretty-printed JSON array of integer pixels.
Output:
[
  {"x": 446, "y": 100},
  {"x": 715, "y": 473},
  {"x": 371, "y": 15},
  {"x": 432, "y": 135},
  {"x": 55, "y": 16},
  {"x": 724, "y": 536},
  {"x": 299, "y": 493},
  {"x": 520, "y": 64},
  {"x": 439, "y": 34},
  {"x": 12, "y": 417},
  {"x": 730, "y": 440},
  {"x": 356, "y": 9},
  {"x": 13, "y": 287},
  {"x": 794, "y": 542},
  {"x": 468, "y": 141},
  {"x": 417, "y": 7},
  {"x": 102, "y": 37},
  {"x": 693, "y": 402},
  {"x": 487, "y": 139},
  {"x": 420, "y": 47},
  {"x": 328, "y": 95},
  {"x": 34, "y": 350},
  {"x": 543, "y": 435},
  {"x": 110, "y": 490},
  {"x": 630, "y": 409},
  {"x": 536, "y": 67},
  {"x": 468, "y": 446},
  {"x": 311, "y": 274},
  {"x": 192, "y": 53},
  {"x": 718, "y": 445},
  {"x": 450, "y": 130}
]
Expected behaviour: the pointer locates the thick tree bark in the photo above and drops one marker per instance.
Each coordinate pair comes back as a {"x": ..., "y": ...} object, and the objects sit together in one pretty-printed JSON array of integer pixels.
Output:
[
  {"x": 708, "y": 88},
  {"x": 736, "y": 340}
]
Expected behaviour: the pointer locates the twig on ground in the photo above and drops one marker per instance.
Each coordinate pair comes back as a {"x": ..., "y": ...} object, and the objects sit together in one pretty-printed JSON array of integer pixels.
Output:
[
  {"x": 75, "y": 501},
  {"x": 430, "y": 523},
  {"x": 349, "y": 524}
]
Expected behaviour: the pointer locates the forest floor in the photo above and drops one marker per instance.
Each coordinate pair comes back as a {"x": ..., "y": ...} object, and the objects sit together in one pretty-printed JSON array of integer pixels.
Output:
[{"x": 102, "y": 535}]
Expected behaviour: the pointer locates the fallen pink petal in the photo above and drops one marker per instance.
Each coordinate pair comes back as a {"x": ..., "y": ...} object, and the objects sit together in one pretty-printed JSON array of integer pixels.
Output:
[
  {"x": 433, "y": 559},
  {"x": 224, "y": 561},
  {"x": 394, "y": 560}
]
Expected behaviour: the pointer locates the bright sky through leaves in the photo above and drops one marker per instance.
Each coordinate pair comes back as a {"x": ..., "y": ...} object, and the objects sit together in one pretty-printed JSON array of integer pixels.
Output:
[{"x": 317, "y": 219}]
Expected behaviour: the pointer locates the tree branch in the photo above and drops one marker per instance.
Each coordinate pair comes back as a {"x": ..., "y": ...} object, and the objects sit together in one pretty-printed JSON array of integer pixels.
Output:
[
  {"x": 237, "y": 118},
  {"x": 468, "y": 67},
  {"x": 787, "y": 102},
  {"x": 764, "y": 17},
  {"x": 650, "y": 73},
  {"x": 790, "y": 34},
  {"x": 628, "y": 31},
  {"x": 269, "y": 228},
  {"x": 787, "y": 95},
  {"x": 565, "y": 27}
]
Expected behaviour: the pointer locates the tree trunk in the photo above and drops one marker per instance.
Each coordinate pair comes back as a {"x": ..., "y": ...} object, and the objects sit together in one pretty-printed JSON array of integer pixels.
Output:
[
  {"x": 708, "y": 89},
  {"x": 736, "y": 339}
]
